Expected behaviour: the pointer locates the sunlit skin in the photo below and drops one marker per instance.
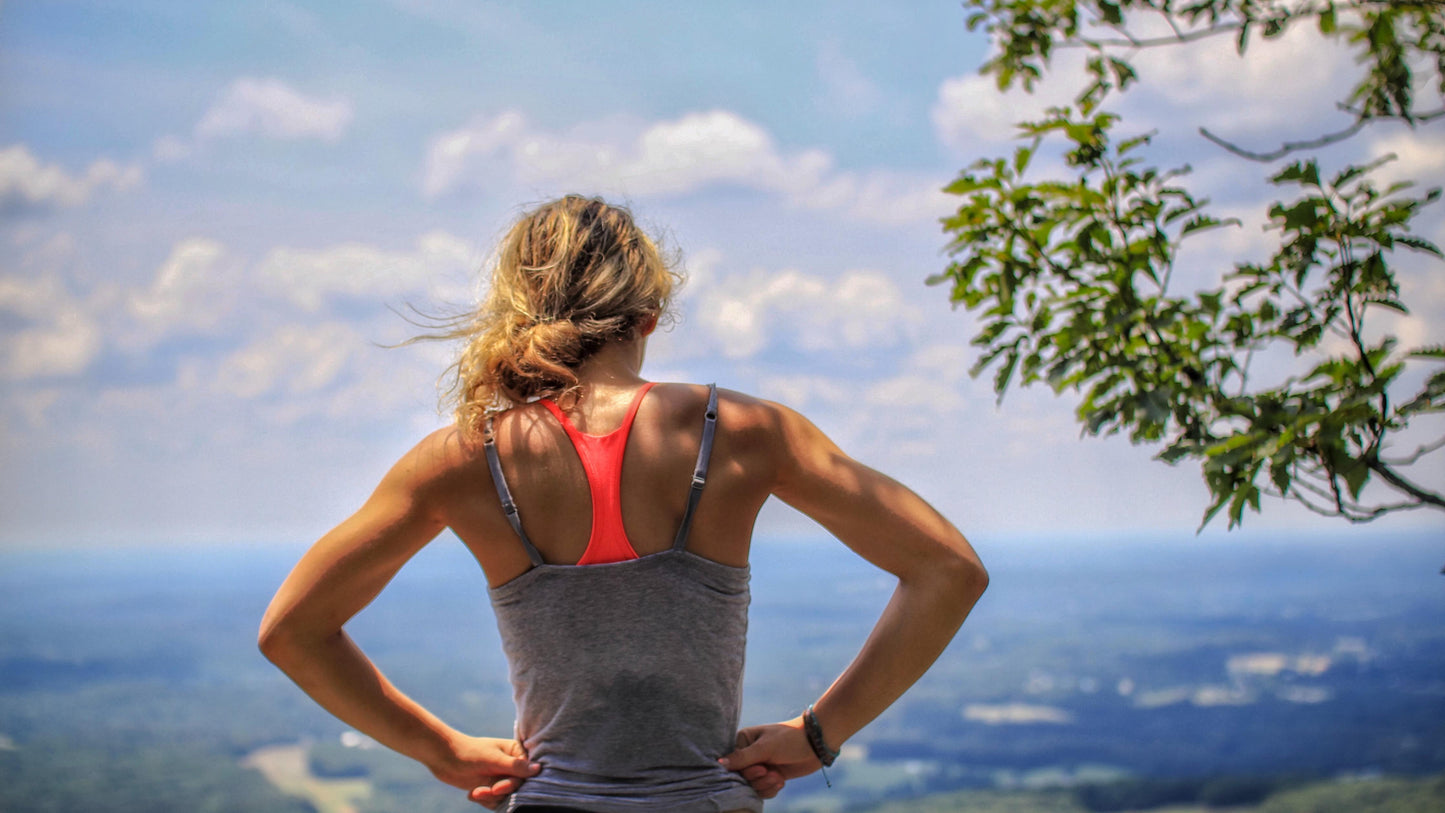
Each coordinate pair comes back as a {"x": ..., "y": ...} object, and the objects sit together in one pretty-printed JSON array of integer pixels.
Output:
[{"x": 762, "y": 449}]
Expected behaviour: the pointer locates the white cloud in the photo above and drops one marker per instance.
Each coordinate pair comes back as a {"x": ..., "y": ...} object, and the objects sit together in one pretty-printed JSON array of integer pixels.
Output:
[
  {"x": 1280, "y": 89},
  {"x": 1015, "y": 714},
  {"x": 673, "y": 157},
  {"x": 273, "y": 109},
  {"x": 64, "y": 347},
  {"x": 971, "y": 113},
  {"x": 294, "y": 359},
  {"x": 859, "y": 309},
  {"x": 667, "y": 157},
  {"x": 1280, "y": 86},
  {"x": 31, "y": 298},
  {"x": 327, "y": 369},
  {"x": 1419, "y": 156},
  {"x": 59, "y": 337},
  {"x": 310, "y": 277},
  {"x": 202, "y": 284},
  {"x": 927, "y": 386},
  {"x": 801, "y": 391},
  {"x": 26, "y": 183},
  {"x": 192, "y": 290}
]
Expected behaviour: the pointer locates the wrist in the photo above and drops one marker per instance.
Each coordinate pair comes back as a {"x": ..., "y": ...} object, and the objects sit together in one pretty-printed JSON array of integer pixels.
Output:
[
  {"x": 438, "y": 749},
  {"x": 825, "y": 750}
]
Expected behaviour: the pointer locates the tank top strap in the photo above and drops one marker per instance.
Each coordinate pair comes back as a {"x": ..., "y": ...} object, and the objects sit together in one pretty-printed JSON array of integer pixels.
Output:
[
  {"x": 699, "y": 472},
  {"x": 509, "y": 507}
]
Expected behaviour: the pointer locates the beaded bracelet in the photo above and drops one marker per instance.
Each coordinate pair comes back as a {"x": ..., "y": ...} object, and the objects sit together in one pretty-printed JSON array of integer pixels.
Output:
[{"x": 815, "y": 739}]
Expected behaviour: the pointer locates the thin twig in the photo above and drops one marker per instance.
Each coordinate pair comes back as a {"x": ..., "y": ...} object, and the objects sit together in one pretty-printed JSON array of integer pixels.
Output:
[
  {"x": 1416, "y": 455},
  {"x": 1173, "y": 26},
  {"x": 1350, "y": 510},
  {"x": 1289, "y": 146},
  {"x": 1423, "y": 118},
  {"x": 1400, "y": 483},
  {"x": 1131, "y": 41}
]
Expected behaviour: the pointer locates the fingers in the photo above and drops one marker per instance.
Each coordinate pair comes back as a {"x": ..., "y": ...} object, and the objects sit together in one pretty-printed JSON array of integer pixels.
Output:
[
  {"x": 751, "y": 753},
  {"x": 765, "y": 781},
  {"x": 746, "y": 737},
  {"x": 514, "y": 747},
  {"x": 493, "y": 795},
  {"x": 518, "y": 767}
]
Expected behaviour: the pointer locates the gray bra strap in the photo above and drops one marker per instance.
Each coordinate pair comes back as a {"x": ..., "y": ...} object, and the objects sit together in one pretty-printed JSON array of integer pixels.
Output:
[
  {"x": 505, "y": 494},
  {"x": 699, "y": 473}
]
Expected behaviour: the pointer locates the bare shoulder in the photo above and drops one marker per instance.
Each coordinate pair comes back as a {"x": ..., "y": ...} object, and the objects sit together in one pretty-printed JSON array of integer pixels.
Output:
[
  {"x": 444, "y": 451},
  {"x": 431, "y": 468},
  {"x": 772, "y": 422}
]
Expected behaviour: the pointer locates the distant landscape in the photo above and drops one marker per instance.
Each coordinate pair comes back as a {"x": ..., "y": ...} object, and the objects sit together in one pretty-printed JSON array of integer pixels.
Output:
[{"x": 1178, "y": 674}]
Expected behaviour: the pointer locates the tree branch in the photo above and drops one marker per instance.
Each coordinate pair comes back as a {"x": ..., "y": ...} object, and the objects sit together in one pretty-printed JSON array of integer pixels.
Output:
[
  {"x": 1422, "y": 118},
  {"x": 1350, "y": 510},
  {"x": 1353, "y": 513},
  {"x": 1390, "y": 476},
  {"x": 1289, "y": 146},
  {"x": 1416, "y": 455},
  {"x": 1131, "y": 41}
]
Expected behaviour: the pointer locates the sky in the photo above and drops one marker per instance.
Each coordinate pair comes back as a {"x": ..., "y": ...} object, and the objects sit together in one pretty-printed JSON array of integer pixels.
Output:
[{"x": 215, "y": 218}]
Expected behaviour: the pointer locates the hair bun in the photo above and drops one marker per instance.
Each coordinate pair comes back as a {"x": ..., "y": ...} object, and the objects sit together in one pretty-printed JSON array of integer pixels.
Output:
[
  {"x": 557, "y": 341},
  {"x": 575, "y": 256}
]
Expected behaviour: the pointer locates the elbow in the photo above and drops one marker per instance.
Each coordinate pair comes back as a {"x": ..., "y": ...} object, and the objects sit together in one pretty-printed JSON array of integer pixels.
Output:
[
  {"x": 277, "y": 642},
  {"x": 960, "y": 574},
  {"x": 270, "y": 641},
  {"x": 968, "y": 575}
]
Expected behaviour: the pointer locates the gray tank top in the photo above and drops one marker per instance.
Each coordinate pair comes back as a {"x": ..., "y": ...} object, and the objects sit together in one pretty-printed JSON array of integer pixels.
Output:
[{"x": 628, "y": 675}]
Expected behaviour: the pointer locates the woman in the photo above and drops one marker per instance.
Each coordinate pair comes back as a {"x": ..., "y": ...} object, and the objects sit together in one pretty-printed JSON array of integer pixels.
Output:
[{"x": 620, "y": 591}]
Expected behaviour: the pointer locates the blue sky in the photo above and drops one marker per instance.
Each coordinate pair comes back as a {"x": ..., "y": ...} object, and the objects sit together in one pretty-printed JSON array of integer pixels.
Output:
[{"x": 210, "y": 211}]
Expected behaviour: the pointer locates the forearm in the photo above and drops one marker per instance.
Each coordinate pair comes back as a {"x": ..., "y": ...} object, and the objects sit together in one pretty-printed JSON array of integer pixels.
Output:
[
  {"x": 919, "y": 622},
  {"x": 339, "y": 677}
]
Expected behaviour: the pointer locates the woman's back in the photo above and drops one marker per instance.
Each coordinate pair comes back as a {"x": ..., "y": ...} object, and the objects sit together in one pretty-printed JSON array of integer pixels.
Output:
[
  {"x": 550, "y": 488},
  {"x": 626, "y": 670}
]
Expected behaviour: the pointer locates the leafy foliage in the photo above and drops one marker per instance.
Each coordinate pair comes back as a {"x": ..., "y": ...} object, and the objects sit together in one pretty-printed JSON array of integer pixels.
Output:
[{"x": 1072, "y": 279}]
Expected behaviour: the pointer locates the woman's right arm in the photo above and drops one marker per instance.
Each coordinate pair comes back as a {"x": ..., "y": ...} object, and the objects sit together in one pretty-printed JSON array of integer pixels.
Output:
[{"x": 940, "y": 578}]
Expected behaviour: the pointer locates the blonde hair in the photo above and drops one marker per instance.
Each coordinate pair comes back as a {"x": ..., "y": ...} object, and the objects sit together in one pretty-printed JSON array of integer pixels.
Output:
[{"x": 569, "y": 277}]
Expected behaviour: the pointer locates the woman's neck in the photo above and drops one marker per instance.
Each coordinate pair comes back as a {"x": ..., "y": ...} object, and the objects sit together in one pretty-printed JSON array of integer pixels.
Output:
[{"x": 617, "y": 365}]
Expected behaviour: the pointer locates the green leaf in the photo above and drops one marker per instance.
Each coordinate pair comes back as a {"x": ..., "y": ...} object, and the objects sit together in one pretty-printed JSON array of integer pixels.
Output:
[
  {"x": 1279, "y": 475},
  {"x": 1203, "y": 223},
  {"x": 1237, "y": 502},
  {"x": 1305, "y": 172},
  {"x": 1355, "y": 478},
  {"x": 1430, "y": 399},
  {"x": 1002, "y": 378},
  {"x": 1021, "y": 158},
  {"x": 966, "y": 184},
  {"x": 1419, "y": 244},
  {"x": 1219, "y": 502},
  {"x": 1391, "y": 304}
]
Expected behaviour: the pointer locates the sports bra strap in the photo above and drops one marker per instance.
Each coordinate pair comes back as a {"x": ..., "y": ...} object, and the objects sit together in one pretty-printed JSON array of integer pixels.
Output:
[
  {"x": 505, "y": 494},
  {"x": 699, "y": 473}
]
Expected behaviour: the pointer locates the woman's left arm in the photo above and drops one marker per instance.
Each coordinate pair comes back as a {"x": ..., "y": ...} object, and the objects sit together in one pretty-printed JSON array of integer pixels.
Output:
[{"x": 302, "y": 633}]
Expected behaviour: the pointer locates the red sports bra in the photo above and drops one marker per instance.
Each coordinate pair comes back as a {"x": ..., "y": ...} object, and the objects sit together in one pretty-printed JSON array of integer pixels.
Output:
[{"x": 601, "y": 457}]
